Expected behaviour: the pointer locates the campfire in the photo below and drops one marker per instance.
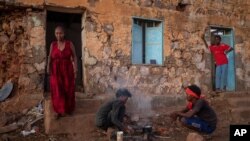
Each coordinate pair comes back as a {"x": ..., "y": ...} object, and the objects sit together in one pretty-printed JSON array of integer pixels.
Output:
[{"x": 147, "y": 130}]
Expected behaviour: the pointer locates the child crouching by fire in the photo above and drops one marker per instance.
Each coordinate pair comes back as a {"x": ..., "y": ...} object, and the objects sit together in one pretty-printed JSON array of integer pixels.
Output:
[{"x": 197, "y": 115}]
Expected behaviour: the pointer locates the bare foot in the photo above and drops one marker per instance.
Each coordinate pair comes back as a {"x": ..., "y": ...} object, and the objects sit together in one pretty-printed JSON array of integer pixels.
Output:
[
  {"x": 57, "y": 116},
  {"x": 70, "y": 114}
]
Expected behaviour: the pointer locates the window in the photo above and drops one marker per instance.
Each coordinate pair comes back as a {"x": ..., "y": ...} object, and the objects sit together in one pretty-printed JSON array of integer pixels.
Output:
[{"x": 147, "y": 42}]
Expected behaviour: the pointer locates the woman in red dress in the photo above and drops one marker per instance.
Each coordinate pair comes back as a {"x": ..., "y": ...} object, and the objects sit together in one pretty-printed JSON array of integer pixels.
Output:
[{"x": 62, "y": 67}]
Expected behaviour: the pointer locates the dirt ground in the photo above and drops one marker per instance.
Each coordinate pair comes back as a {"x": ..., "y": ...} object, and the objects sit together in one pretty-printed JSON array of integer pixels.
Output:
[
  {"x": 164, "y": 129},
  {"x": 169, "y": 133}
]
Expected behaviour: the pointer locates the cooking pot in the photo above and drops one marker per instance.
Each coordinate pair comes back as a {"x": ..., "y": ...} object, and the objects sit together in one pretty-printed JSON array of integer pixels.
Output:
[{"x": 147, "y": 129}]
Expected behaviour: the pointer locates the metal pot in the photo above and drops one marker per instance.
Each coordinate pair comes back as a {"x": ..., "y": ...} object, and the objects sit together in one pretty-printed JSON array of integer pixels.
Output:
[{"x": 147, "y": 129}]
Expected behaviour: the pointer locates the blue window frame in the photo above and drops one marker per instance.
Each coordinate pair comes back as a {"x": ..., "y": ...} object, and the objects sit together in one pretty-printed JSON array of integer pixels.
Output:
[{"x": 147, "y": 41}]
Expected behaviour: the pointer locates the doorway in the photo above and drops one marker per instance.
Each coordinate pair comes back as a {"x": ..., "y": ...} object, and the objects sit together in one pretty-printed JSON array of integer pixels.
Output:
[
  {"x": 227, "y": 37},
  {"x": 72, "y": 23}
]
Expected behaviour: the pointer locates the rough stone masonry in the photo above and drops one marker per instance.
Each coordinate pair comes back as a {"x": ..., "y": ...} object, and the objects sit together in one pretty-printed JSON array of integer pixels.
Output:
[
  {"x": 107, "y": 44},
  {"x": 22, "y": 41}
]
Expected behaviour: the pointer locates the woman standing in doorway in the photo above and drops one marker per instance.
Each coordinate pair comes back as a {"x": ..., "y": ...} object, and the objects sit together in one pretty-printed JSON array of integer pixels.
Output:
[
  {"x": 62, "y": 67},
  {"x": 219, "y": 51}
]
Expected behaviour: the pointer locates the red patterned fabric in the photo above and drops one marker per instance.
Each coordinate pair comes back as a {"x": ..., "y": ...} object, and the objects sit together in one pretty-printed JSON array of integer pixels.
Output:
[{"x": 62, "y": 82}]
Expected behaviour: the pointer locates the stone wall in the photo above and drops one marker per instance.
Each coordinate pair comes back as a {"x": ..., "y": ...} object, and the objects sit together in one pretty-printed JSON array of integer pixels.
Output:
[
  {"x": 186, "y": 59},
  {"x": 107, "y": 44},
  {"x": 22, "y": 41}
]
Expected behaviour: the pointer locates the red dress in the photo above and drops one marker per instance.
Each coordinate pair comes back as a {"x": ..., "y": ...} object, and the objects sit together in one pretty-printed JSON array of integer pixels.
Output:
[{"x": 62, "y": 82}]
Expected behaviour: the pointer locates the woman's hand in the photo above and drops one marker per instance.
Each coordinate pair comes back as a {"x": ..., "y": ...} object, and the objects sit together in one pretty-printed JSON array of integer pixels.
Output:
[
  {"x": 75, "y": 73},
  {"x": 75, "y": 69},
  {"x": 129, "y": 130},
  {"x": 174, "y": 115},
  {"x": 48, "y": 70}
]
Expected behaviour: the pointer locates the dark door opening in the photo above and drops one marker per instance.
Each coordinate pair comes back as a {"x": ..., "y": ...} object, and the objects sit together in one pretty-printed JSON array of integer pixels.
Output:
[
  {"x": 72, "y": 25},
  {"x": 227, "y": 37}
]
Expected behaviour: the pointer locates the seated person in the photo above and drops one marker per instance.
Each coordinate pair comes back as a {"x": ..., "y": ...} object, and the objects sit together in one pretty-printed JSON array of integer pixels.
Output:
[
  {"x": 112, "y": 113},
  {"x": 198, "y": 115}
]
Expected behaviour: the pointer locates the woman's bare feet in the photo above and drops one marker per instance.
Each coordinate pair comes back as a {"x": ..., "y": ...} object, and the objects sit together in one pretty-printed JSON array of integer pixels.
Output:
[{"x": 58, "y": 116}]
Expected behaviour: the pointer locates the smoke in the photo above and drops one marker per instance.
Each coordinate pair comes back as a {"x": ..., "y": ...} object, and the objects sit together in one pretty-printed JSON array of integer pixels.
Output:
[{"x": 140, "y": 104}]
